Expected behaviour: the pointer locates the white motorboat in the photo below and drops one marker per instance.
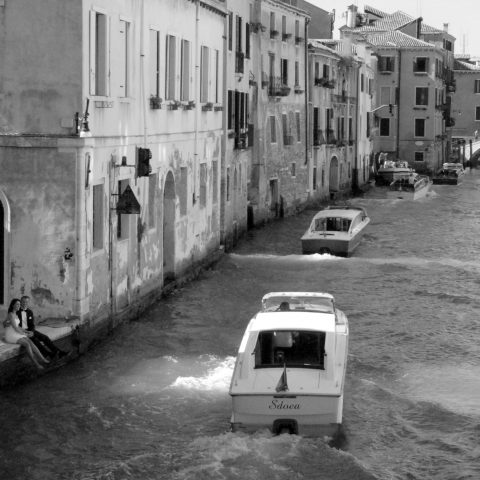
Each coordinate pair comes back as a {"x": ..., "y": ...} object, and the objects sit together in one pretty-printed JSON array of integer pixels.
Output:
[
  {"x": 335, "y": 230},
  {"x": 290, "y": 369},
  {"x": 391, "y": 171},
  {"x": 410, "y": 187}
]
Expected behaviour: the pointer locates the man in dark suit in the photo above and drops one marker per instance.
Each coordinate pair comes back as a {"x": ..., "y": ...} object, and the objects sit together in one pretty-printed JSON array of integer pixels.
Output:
[{"x": 42, "y": 341}]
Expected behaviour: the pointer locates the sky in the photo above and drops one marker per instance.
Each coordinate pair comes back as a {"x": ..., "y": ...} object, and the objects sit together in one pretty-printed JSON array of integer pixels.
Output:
[{"x": 462, "y": 16}]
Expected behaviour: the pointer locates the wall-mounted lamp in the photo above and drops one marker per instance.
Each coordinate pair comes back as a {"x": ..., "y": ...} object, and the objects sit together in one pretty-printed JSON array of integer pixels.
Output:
[{"x": 81, "y": 123}]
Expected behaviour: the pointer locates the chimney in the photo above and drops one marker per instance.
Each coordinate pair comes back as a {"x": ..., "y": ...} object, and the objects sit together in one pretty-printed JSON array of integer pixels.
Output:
[
  {"x": 352, "y": 16},
  {"x": 445, "y": 27}
]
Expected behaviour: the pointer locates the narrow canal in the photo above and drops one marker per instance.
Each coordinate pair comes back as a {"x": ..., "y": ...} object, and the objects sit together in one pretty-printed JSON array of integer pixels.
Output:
[{"x": 152, "y": 401}]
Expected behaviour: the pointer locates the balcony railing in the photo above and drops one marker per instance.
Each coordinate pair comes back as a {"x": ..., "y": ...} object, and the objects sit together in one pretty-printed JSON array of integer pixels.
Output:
[
  {"x": 276, "y": 87},
  {"x": 324, "y": 82}
]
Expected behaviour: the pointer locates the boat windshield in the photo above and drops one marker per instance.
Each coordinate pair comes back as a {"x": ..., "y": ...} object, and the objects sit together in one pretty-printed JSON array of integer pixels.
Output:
[
  {"x": 298, "y": 303},
  {"x": 293, "y": 348},
  {"x": 331, "y": 224}
]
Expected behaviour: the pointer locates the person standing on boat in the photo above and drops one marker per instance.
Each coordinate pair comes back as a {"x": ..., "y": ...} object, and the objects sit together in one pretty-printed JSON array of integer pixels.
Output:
[
  {"x": 411, "y": 179},
  {"x": 42, "y": 341},
  {"x": 16, "y": 334}
]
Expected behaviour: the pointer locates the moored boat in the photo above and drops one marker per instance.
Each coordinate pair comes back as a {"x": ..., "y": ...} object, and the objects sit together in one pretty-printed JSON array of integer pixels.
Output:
[
  {"x": 336, "y": 230},
  {"x": 290, "y": 369},
  {"x": 411, "y": 187}
]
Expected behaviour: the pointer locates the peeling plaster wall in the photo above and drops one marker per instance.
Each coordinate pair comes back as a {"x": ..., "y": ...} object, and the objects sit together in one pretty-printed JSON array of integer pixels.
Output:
[{"x": 40, "y": 186}]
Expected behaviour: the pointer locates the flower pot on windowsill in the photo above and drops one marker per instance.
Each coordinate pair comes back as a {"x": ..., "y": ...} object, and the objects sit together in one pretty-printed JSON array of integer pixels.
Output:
[
  {"x": 208, "y": 107},
  {"x": 189, "y": 105},
  {"x": 155, "y": 102},
  {"x": 174, "y": 105},
  {"x": 218, "y": 108}
]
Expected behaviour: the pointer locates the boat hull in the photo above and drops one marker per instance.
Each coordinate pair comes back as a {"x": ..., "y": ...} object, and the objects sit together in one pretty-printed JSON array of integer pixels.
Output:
[
  {"x": 317, "y": 242},
  {"x": 308, "y": 415},
  {"x": 413, "y": 194}
]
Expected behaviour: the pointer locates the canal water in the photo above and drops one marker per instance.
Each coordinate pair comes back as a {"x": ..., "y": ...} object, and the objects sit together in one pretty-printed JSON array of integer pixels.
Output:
[{"x": 151, "y": 402}]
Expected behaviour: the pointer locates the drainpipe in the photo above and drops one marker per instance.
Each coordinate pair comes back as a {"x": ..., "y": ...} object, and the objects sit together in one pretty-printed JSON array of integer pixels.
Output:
[
  {"x": 307, "y": 113},
  {"x": 142, "y": 73},
  {"x": 197, "y": 99},
  {"x": 397, "y": 146},
  {"x": 225, "y": 112},
  {"x": 355, "y": 143}
]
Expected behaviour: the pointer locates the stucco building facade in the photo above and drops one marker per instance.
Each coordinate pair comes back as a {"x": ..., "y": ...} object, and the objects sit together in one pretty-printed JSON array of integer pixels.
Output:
[{"x": 91, "y": 224}]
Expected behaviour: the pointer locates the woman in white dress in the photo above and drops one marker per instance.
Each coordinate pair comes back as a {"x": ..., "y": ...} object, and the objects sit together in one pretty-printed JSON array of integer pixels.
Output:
[{"x": 16, "y": 334}]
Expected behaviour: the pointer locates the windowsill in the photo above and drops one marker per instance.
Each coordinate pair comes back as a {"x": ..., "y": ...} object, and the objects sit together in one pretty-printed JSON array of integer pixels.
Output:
[
  {"x": 420, "y": 107},
  {"x": 386, "y": 72},
  {"x": 420, "y": 73},
  {"x": 125, "y": 99}
]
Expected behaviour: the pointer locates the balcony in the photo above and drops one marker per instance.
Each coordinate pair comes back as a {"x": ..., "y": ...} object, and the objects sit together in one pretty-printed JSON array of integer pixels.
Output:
[
  {"x": 324, "y": 82},
  {"x": 286, "y": 36},
  {"x": 276, "y": 87},
  {"x": 241, "y": 141},
  {"x": 298, "y": 40},
  {"x": 239, "y": 62},
  {"x": 274, "y": 33}
]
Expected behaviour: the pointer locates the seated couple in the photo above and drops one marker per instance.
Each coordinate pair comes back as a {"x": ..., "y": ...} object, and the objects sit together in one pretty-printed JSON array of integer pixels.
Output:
[{"x": 20, "y": 328}]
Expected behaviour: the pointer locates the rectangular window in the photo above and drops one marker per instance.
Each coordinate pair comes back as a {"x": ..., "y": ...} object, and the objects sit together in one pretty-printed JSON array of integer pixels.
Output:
[
  {"x": 215, "y": 181},
  {"x": 274, "y": 349},
  {"x": 284, "y": 71},
  {"x": 420, "y": 65},
  {"x": 227, "y": 188},
  {"x": 476, "y": 88},
  {"x": 293, "y": 168},
  {"x": 272, "y": 21},
  {"x": 170, "y": 67},
  {"x": 384, "y": 127},
  {"x": 419, "y": 127},
  {"x": 124, "y": 58},
  {"x": 183, "y": 190},
  {"x": 203, "y": 184},
  {"x": 238, "y": 42},
  {"x": 185, "y": 71},
  {"x": 299, "y": 131},
  {"x": 421, "y": 96},
  {"x": 386, "y": 64},
  {"x": 314, "y": 178},
  {"x": 98, "y": 54},
  {"x": 418, "y": 157},
  {"x": 230, "y": 111},
  {"x": 477, "y": 113},
  {"x": 273, "y": 129},
  {"x": 326, "y": 72},
  {"x": 204, "y": 70},
  {"x": 317, "y": 70},
  {"x": 217, "y": 79},
  {"x": 297, "y": 75},
  {"x": 98, "y": 217},
  {"x": 152, "y": 186},
  {"x": 286, "y": 136},
  {"x": 154, "y": 44},
  {"x": 247, "y": 40},
  {"x": 362, "y": 82},
  {"x": 297, "y": 29},
  {"x": 123, "y": 221},
  {"x": 230, "y": 31},
  {"x": 284, "y": 26}
]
